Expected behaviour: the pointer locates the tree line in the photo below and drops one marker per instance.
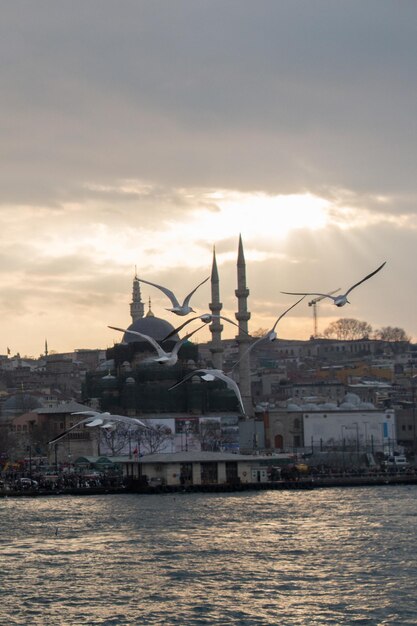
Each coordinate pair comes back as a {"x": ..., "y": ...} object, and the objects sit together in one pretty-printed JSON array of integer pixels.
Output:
[{"x": 349, "y": 329}]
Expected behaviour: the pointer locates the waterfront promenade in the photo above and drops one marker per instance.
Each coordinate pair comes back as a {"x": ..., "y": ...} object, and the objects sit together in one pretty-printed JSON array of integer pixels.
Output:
[{"x": 302, "y": 483}]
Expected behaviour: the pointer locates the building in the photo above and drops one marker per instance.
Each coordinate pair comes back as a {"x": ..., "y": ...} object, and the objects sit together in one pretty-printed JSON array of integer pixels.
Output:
[
  {"x": 351, "y": 424},
  {"x": 133, "y": 385},
  {"x": 201, "y": 468}
]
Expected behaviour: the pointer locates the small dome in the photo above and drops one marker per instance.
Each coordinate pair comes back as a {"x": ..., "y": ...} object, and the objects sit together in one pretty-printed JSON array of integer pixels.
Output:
[
  {"x": 310, "y": 406},
  {"x": 366, "y": 405},
  {"x": 108, "y": 380},
  {"x": 130, "y": 381},
  {"x": 105, "y": 366},
  {"x": 352, "y": 398},
  {"x": 348, "y": 406},
  {"x": 293, "y": 407},
  {"x": 18, "y": 404}
]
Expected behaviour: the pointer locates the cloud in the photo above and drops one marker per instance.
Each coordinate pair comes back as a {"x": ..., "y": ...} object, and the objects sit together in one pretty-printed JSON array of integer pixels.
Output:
[
  {"x": 213, "y": 94},
  {"x": 130, "y": 132}
]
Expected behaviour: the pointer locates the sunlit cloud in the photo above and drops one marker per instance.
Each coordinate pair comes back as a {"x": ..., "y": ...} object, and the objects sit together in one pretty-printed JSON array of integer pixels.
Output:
[
  {"x": 85, "y": 253},
  {"x": 349, "y": 218},
  {"x": 208, "y": 217},
  {"x": 260, "y": 215}
]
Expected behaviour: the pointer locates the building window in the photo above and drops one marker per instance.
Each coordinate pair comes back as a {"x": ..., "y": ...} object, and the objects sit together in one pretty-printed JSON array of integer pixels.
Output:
[
  {"x": 186, "y": 474},
  {"x": 208, "y": 473},
  {"x": 231, "y": 472}
]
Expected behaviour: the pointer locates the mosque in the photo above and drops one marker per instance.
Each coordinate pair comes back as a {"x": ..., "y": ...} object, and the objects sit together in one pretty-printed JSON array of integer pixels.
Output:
[{"x": 134, "y": 386}]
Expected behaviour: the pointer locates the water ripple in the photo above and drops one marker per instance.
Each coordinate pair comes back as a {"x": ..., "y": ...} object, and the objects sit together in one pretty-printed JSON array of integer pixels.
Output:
[{"x": 334, "y": 556}]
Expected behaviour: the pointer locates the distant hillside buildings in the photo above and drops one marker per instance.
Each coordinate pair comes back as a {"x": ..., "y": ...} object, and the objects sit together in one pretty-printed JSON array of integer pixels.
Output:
[{"x": 300, "y": 395}]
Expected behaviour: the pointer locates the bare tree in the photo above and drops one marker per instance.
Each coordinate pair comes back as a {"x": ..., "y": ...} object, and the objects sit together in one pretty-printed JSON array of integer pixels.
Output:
[
  {"x": 155, "y": 438},
  {"x": 260, "y": 332},
  {"x": 214, "y": 436},
  {"x": 391, "y": 333},
  {"x": 117, "y": 439},
  {"x": 348, "y": 329},
  {"x": 210, "y": 434}
]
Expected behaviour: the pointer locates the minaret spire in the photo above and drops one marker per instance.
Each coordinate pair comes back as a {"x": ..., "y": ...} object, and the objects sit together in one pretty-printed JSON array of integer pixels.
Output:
[
  {"x": 216, "y": 328},
  {"x": 242, "y": 316},
  {"x": 136, "y": 306},
  {"x": 149, "y": 313}
]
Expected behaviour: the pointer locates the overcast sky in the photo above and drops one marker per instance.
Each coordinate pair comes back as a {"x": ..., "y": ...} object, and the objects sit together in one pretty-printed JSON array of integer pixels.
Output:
[{"x": 142, "y": 134}]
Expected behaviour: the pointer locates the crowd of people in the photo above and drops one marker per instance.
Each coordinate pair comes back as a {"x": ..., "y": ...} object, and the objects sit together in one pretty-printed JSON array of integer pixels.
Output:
[{"x": 41, "y": 481}]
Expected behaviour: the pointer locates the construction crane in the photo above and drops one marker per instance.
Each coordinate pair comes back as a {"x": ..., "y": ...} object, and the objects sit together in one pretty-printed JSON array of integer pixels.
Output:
[{"x": 313, "y": 303}]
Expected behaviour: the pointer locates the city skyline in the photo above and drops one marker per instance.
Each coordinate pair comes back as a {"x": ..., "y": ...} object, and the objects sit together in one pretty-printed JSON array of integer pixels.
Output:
[{"x": 142, "y": 135}]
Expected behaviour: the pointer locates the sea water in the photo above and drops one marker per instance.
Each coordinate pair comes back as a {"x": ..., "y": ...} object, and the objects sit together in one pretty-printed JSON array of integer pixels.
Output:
[{"x": 327, "y": 556}]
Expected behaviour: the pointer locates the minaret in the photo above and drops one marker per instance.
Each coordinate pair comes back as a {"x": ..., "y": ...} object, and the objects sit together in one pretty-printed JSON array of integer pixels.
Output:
[
  {"x": 242, "y": 316},
  {"x": 136, "y": 306},
  {"x": 46, "y": 348},
  {"x": 216, "y": 328}
]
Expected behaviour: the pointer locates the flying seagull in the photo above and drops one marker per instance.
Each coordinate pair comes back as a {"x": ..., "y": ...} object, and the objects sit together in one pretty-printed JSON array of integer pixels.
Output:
[
  {"x": 205, "y": 317},
  {"x": 103, "y": 420},
  {"x": 212, "y": 374},
  {"x": 163, "y": 358},
  {"x": 177, "y": 308},
  {"x": 337, "y": 300},
  {"x": 271, "y": 335}
]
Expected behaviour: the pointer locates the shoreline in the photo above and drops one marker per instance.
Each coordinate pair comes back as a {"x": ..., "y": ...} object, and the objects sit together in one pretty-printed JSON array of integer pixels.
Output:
[{"x": 324, "y": 482}]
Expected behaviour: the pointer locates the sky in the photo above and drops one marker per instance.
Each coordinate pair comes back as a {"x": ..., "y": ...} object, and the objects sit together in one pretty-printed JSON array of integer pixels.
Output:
[{"x": 141, "y": 134}]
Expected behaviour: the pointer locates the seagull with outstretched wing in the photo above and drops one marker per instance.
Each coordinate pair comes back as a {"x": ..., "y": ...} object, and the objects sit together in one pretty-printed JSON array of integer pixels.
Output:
[
  {"x": 271, "y": 335},
  {"x": 177, "y": 308},
  {"x": 207, "y": 318},
  {"x": 337, "y": 300},
  {"x": 210, "y": 375},
  {"x": 163, "y": 358},
  {"x": 102, "y": 420}
]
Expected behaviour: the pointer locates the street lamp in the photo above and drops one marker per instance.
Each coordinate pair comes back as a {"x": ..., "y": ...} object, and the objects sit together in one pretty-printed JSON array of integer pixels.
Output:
[
  {"x": 342, "y": 429},
  {"x": 187, "y": 431},
  {"x": 366, "y": 435},
  {"x": 357, "y": 437},
  {"x": 413, "y": 408},
  {"x": 30, "y": 460}
]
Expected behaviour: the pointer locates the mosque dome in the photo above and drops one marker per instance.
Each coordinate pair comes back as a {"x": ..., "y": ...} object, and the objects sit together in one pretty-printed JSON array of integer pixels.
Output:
[
  {"x": 105, "y": 366},
  {"x": 152, "y": 326},
  {"x": 18, "y": 404},
  {"x": 349, "y": 406},
  {"x": 293, "y": 407},
  {"x": 366, "y": 405},
  {"x": 352, "y": 398}
]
